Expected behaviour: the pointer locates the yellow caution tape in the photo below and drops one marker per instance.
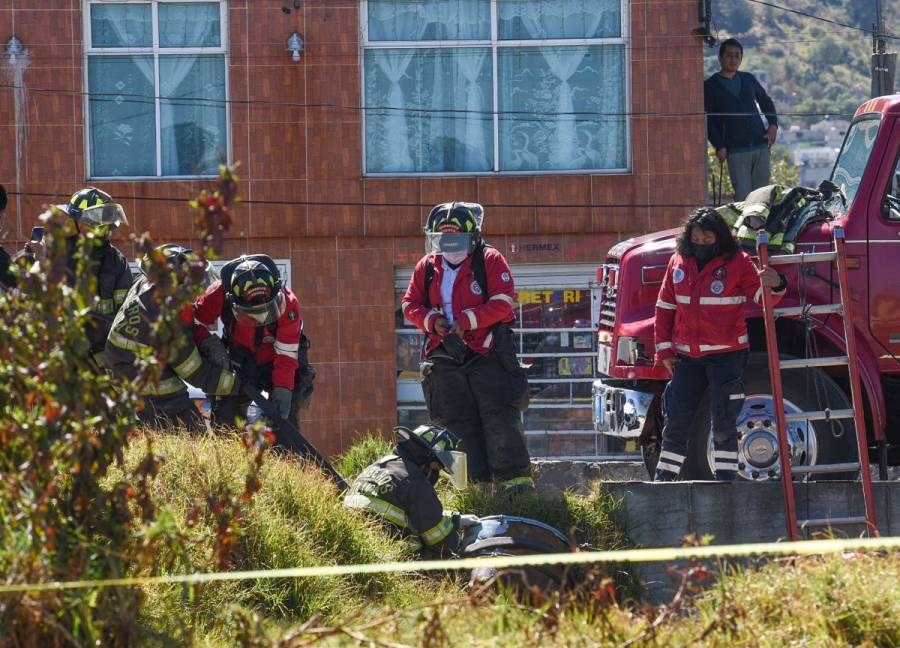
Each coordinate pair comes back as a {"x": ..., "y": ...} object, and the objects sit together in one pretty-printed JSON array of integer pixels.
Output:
[{"x": 805, "y": 548}]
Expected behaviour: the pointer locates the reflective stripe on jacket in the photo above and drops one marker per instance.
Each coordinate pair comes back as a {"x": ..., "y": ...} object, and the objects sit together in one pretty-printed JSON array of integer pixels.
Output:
[
  {"x": 702, "y": 311},
  {"x": 396, "y": 490},
  {"x": 132, "y": 339},
  {"x": 279, "y": 343},
  {"x": 475, "y": 315}
]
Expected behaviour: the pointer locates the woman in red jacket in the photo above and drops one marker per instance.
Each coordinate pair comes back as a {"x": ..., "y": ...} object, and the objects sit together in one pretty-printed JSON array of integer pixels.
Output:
[{"x": 701, "y": 338}]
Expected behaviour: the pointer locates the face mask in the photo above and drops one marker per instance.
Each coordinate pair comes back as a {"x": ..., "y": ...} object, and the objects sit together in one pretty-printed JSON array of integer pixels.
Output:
[
  {"x": 455, "y": 258},
  {"x": 704, "y": 252}
]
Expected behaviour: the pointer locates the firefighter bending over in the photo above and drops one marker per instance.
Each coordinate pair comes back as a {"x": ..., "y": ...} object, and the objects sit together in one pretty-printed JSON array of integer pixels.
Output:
[
  {"x": 263, "y": 335},
  {"x": 132, "y": 338},
  {"x": 399, "y": 488}
]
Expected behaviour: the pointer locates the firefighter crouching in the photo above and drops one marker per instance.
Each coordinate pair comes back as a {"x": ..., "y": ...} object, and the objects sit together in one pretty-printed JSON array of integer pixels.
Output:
[
  {"x": 701, "y": 338},
  {"x": 399, "y": 488},
  {"x": 132, "y": 338},
  {"x": 461, "y": 295},
  {"x": 263, "y": 337}
]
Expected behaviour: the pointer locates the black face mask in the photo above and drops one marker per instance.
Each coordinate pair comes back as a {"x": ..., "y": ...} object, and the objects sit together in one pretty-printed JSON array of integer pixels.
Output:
[{"x": 705, "y": 251}]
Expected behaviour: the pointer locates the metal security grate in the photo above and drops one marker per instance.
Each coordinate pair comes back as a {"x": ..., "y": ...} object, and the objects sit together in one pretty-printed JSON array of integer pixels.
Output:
[{"x": 608, "y": 291}]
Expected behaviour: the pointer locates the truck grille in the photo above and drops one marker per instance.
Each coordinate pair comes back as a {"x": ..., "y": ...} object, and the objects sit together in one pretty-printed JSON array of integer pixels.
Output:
[{"x": 609, "y": 286}]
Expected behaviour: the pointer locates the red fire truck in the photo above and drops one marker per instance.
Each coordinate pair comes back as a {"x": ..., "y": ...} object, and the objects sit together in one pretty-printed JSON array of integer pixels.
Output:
[{"x": 626, "y": 401}]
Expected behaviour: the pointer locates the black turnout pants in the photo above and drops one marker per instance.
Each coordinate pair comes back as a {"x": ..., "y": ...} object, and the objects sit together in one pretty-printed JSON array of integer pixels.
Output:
[
  {"x": 477, "y": 403},
  {"x": 176, "y": 410}
]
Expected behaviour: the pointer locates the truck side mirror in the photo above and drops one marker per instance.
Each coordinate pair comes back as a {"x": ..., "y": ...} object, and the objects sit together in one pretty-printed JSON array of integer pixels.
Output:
[{"x": 891, "y": 207}]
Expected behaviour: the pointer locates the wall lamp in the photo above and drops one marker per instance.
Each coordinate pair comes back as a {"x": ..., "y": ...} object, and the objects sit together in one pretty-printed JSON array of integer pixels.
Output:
[
  {"x": 13, "y": 49},
  {"x": 295, "y": 46}
]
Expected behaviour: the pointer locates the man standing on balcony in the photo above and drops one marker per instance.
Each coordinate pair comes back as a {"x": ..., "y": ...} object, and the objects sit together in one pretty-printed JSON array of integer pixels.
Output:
[{"x": 733, "y": 101}]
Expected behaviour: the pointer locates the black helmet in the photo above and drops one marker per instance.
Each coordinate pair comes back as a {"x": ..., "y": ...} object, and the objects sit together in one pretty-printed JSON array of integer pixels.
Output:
[
  {"x": 256, "y": 291},
  {"x": 429, "y": 443},
  {"x": 95, "y": 209},
  {"x": 85, "y": 198},
  {"x": 177, "y": 257},
  {"x": 453, "y": 227}
]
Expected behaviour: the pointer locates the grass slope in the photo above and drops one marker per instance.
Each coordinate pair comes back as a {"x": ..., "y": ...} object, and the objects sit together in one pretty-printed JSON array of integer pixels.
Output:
[{"x": 296, "y": 519}]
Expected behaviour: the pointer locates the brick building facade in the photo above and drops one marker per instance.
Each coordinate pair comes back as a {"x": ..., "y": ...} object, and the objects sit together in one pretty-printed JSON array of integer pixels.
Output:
[{"x": 297, "y": 130}]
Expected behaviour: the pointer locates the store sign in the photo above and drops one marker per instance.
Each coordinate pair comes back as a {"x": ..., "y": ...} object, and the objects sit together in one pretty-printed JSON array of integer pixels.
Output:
[{"x": 549, "y": 296}]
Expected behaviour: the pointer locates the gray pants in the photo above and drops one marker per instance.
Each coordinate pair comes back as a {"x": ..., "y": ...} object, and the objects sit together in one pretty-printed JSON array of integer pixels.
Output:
[{"x": 749, "y": 170}]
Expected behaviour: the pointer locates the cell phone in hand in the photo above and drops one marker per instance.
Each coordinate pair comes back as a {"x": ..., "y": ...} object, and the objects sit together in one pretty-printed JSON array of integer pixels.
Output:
[{"x": 37, "y": 234}]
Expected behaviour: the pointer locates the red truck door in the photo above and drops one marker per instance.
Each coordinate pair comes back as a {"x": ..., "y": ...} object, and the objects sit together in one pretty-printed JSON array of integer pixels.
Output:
[{"x": 884, "y": 253}]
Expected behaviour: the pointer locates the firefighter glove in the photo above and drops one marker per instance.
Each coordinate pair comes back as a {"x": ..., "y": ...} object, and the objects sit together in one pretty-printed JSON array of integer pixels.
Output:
[
  {"x": 281, "y": 397},
  {"x": 213, "y": 349}
]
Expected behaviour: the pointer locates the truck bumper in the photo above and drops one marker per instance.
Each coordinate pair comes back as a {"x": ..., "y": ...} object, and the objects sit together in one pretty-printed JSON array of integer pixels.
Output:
[{"x": 619, "y": 411}]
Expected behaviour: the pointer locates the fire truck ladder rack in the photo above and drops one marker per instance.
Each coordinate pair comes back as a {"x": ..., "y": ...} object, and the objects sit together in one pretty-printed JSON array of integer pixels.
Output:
[{"x": 837, "y": 256}]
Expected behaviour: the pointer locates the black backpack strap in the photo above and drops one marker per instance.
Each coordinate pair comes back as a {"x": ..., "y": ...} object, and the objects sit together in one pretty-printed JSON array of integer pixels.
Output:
[
  {"x": 479, "y": 270},
  {"x": 429, "y": 277}
]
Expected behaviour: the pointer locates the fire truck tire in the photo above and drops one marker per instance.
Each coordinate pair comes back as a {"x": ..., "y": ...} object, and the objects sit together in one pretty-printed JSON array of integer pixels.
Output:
[{"x": 804, "y": 390}]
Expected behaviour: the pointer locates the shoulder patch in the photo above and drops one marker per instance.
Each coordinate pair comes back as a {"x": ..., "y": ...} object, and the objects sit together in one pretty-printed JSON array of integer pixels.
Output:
[
  {"x": 475, "y": 288},
  {"x": 505, "y": 277},
  {"x": 678, "y": 275},
  {"x": 292, "y": 315}
]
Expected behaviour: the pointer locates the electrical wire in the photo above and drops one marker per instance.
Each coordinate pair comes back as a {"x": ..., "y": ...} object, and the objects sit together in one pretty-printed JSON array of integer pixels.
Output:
[{"x": 120, "y": 98}]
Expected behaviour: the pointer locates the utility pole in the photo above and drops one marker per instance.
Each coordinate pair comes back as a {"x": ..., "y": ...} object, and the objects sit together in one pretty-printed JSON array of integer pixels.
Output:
[{"x": 884, "y": 64}]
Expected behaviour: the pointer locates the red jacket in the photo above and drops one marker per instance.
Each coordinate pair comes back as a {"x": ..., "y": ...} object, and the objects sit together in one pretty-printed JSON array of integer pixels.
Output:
[
  {"x": 280, "y": 343},
  {"x": 475, "y": 315},
  {"x": 699, "y": 312}
]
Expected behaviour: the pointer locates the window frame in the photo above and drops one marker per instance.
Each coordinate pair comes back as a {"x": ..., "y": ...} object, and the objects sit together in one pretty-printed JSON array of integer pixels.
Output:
[
  {"x": 495, "y": 44},
  {"x": 154, "y": 50}
]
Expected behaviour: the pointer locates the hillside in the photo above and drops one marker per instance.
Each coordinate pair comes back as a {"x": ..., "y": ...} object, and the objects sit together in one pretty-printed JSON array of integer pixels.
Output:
[{"x": 810, "y": 66}]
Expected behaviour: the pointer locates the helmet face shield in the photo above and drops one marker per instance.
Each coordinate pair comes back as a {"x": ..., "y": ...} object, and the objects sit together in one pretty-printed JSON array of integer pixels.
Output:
[
  {"x": 260, "y": 314},
  {"x": 456, "y": 465},
  {"x": 450, "y": 242},
  {"x": 110, "y": 215}
]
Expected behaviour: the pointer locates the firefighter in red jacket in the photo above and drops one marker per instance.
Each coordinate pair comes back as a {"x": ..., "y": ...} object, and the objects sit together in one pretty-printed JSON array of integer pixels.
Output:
[
  {"x": 701, "y": 338},
  {"x": 461, "y": 295},
  {"x": 263, "y": 336}
]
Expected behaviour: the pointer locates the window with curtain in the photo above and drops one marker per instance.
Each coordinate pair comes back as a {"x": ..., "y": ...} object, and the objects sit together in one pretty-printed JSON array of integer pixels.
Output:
[
  {"x": 156, "y": 81},
  {"x": 487, "y": 86}
]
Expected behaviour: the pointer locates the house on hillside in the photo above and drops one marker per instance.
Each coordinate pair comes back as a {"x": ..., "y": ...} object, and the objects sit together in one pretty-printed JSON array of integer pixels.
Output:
[{"x": 575, "y": 122}]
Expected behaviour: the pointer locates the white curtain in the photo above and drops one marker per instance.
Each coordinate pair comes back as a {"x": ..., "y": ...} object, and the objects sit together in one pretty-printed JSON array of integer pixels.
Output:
[
  {"x": 406, "y": 20},
  {"x": 121, "y": 25},
  {"x": 189, "y": 25},
  {"x": 563, "y": 63},
  {"x": 393, "y": 64},
  {"x": 122, "y": 115},
  {"x": 544, "y": 19},
  {"x": 472, "y": 121},
  {"x": 446, "y": 121},
  {"x": 192, "y": 114},
  {"x": 562, "y": 109}
]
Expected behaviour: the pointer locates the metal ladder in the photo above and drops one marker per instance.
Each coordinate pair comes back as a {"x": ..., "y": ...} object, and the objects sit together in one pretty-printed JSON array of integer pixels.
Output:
[{"x": 794, "y": 526}]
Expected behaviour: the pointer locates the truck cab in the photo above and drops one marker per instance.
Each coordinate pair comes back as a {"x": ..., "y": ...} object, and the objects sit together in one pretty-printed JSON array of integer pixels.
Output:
[{"x": 626, "y": 400}]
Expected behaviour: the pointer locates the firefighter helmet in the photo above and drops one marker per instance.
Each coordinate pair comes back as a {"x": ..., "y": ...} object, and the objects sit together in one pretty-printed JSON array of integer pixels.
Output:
[
  {"x": 453, "y": 227},
  {"x": 429, "y": 443},
  {"x": 255, "y": 288},
  {"x": 177, "y": 258},
  {"x": 96, "y": 210}
]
